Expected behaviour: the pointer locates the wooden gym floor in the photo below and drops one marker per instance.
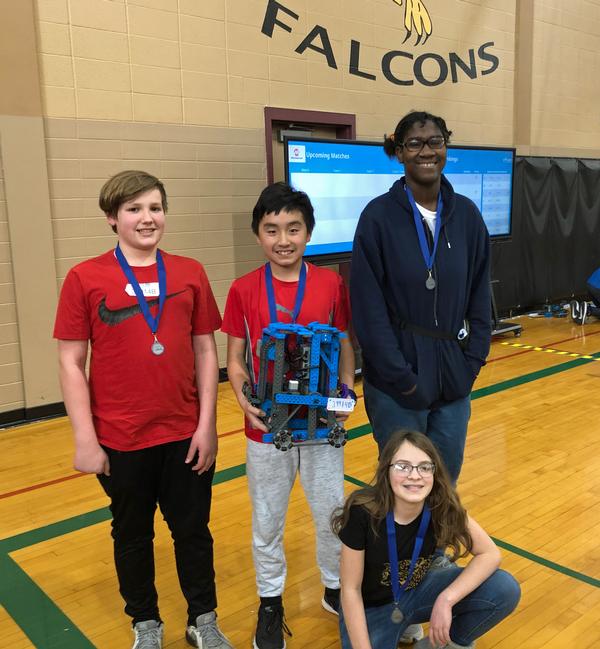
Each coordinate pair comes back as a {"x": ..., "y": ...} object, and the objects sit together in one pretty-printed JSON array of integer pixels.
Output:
[{"x": 531, "y": 476}]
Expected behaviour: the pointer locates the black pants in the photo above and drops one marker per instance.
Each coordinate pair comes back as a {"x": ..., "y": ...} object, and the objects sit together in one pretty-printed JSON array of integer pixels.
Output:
[{"x": 138, "y": 481}]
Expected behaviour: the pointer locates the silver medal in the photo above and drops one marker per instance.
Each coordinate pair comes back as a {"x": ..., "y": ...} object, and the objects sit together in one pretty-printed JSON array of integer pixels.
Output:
[
  {"x": 430, "y": 283},
  {"x": 397, "y": 616},
  {"x": 157, "y": 348}
]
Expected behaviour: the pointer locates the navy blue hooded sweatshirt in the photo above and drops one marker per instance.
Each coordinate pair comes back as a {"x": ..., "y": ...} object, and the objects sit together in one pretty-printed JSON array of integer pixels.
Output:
[{"x": 388, "y": 285}]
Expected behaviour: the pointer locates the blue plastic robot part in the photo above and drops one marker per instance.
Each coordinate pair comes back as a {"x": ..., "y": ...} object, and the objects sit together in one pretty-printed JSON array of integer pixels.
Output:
[{"x": 298, "y": 374}]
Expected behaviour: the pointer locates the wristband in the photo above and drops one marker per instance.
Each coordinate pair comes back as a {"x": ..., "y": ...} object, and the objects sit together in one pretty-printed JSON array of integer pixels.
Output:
[{"x": 347, "y": 393}]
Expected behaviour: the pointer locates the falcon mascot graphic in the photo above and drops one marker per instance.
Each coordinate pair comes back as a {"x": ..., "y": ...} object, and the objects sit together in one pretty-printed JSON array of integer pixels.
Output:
[{"x": 416, "y": 18}]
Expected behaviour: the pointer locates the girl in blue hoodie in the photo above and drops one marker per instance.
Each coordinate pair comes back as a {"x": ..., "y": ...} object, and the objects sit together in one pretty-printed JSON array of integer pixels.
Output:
[{"x": 420, "y": 295}]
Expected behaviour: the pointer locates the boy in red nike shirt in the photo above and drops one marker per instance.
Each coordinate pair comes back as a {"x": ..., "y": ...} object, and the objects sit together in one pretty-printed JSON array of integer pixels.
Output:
[
  {"x": 282, "y": 221},
  {"x": 144, "y": 421}
]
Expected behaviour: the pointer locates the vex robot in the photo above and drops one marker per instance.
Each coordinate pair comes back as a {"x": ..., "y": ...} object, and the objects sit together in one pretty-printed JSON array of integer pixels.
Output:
[{"x": 298, "y": 385}]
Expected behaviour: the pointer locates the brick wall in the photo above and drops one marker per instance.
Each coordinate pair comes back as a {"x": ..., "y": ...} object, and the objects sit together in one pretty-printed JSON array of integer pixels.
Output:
[
  {"x": 11, "y": 376},
  {"x": 566, "y": 69},
  {"x": 207, "y": 62},
  {"x": 212, "y": 177}
]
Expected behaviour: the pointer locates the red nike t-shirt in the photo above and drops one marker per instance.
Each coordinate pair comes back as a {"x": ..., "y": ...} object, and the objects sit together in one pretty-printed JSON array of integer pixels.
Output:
[
  {"x": 247, "y": 309},
  {"x": 138, "y": 399}
]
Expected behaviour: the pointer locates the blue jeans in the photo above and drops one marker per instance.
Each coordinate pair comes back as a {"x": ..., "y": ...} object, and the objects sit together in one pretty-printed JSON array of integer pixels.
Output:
[
  {"x": 446, "y": 425},
  {"x": 473, "y": 616}
]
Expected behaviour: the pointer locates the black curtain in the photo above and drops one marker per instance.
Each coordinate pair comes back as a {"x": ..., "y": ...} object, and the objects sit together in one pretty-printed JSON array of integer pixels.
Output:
[{"x": 555, "y": 243}]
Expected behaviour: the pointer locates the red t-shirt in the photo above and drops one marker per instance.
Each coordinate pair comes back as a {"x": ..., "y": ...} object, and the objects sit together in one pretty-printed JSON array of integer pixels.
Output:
[
  {"x": 247, "y": 309},
  {"x": 138, "y": 399}
]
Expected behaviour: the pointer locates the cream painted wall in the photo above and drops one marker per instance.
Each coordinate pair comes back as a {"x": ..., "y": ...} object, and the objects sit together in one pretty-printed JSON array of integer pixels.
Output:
[
  {"x": 212, "y": 177},
  {"x": 11, "y": 374},
  {"x": 566, "y": 70},
  {"x": 28, "y": 377},
  {"x": 207, "y": 63},
  {"x": 178, "y": 87}
]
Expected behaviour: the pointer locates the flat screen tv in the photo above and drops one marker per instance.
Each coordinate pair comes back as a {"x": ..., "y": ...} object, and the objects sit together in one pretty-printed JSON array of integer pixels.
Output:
[{"x": 342, "y": 176}]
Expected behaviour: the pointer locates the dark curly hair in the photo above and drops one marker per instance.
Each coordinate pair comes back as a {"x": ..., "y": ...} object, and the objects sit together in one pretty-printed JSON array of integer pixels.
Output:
[{"x": 391, "y": 142}]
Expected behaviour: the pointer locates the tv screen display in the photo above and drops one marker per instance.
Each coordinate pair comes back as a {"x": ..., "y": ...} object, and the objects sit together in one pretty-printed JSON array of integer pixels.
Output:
[{"x": 342, "y": 176}]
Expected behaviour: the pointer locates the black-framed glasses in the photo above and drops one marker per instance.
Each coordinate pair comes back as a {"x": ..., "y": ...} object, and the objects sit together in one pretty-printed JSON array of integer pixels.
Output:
[
  {"x": 416, "y": 144},
  {"x": 424, "y": 469}
]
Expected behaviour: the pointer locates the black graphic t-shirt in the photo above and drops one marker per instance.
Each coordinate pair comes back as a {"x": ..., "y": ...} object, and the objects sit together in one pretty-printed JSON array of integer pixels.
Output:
[{"x": 358, "y": 535}]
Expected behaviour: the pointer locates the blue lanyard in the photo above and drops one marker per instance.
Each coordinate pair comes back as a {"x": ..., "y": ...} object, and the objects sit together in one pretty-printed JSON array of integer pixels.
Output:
[
  {"x": 427, "y": 256},
  {"x": 397, "y": 588},
  {"x": 162, "y": 287},
  {"x": 271, "y": 293}
]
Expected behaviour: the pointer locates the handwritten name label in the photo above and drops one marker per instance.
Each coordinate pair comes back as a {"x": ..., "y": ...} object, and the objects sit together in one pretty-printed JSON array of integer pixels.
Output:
[{"x": 340, "y": 405}]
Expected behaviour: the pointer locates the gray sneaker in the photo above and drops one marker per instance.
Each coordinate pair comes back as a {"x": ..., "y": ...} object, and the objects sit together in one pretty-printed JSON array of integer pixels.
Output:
[
  {"x": 412, "y": 633},
  {"x": 425, "y": 644},
  {"x": 148, "y": 635},
  {"x": 206, "y": 634}
]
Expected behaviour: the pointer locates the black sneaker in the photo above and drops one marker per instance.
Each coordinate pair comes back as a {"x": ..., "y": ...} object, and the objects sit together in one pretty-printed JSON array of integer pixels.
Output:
[
  {"x": 575, "y": 312},
  {"x": 270, "y": 628},
  {"x": 331, "y": 600}
]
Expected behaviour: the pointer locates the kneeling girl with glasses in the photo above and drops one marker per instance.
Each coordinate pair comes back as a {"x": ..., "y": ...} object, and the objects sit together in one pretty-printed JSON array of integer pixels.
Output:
[{"x": 392, "y": 572}]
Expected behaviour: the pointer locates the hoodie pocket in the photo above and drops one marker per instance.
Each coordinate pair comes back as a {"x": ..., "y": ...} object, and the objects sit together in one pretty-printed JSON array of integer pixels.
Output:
[
  {"x": 457, "y": 374},
  {"x": 424, "y": 365},
  {"x": 415, "y": 401}
]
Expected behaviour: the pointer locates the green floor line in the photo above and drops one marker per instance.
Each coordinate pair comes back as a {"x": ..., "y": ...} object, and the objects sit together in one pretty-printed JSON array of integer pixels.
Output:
[
  {"x": 356, "y": 481},
  {"x": 231, "y": 473},
  {"x": 547, "y": 563},
  {"x": 532, "y": 376},
  {"x": 522, "y": 553},
  {"x": 50, "y": 628},
  {"x": 77, "y": 522},
  {"x": 41, "y": 534},
  {"x": 359, "y": 431},
  {"x": 40, "y": 619},
  {"x": 81, "y": 521}
]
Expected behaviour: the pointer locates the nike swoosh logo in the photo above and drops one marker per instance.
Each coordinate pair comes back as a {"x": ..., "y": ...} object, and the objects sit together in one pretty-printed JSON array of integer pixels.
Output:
[
  {"x": 114, "y": 317},
  {"x": 278, "y": 307}
]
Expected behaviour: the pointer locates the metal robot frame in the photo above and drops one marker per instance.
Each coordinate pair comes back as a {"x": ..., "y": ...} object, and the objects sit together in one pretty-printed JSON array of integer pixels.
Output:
[{"x": 300, "y": 394}]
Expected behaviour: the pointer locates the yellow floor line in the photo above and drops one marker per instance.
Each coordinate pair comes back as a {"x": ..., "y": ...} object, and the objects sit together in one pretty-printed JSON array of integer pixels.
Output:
[{"x": 549, "y": 350}]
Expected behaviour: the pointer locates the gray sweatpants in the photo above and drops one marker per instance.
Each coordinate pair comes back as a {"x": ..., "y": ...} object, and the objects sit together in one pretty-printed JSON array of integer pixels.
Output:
[{"x": 271, "y": 475}]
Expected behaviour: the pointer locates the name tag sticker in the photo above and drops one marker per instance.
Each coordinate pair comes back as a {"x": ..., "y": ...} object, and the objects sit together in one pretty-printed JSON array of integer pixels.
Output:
[
  {"x": 149, "y": 289},
  {"x": 340, "y": 405}
]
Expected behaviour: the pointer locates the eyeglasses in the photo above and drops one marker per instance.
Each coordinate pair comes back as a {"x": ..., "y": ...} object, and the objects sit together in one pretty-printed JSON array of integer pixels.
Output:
[
  {"x": 424, "y": 469},
  {"x": 415, "y": 144}
]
